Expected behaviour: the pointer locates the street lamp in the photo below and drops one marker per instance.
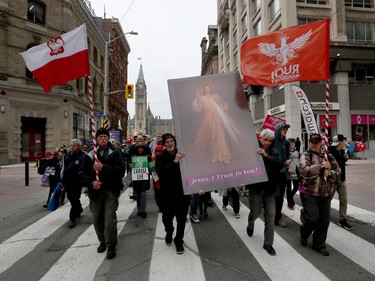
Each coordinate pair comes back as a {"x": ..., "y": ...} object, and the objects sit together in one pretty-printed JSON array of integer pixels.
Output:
[{"x": 105, "y": 107}]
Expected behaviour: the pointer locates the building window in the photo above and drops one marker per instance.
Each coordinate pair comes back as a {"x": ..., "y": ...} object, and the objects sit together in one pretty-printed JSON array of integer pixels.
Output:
[
  {"x": 360, "y": 3},
  {"x": 36, "y": 11},
  {"x": 362, "y": 74},
  {"x": 244, "y": 23},
  {"x": 360, "y": 31},
  {"x": 243, "y": 4},
  {"x": 274, "y": 8},
  {"x": 305, "y": 20},
  {"x": 102, "y": 62},
  {"x": 256, "y": 5},
  {"x": 319, "y": 2},
  {"x": 95, "y": 55},
  {"x": 258, "y": 28}
]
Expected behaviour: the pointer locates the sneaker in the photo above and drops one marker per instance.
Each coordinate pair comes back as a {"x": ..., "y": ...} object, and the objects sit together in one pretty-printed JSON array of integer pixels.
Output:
[
  {"x": 237, "y": 215},
  {"x": 194, "y": 218},
  {"x": 323, "y": 251},
  {"x": 72, "y": 224},
  {"x": 343, "y": 223},
  {"x": 249, "y": 231},
  {"x": 205, "y": 215},
  {"x": 270, "y": 250},
  {"x": 224, "y": 208},
  {"x": 180, "y": 249},
  {"x": 303, "y": 242},
  {"x": 111, "y": 252},
  {"x": 102, "y": 247},
  {"x": 281, "y": 222},
  {"x": 45, "y": 206},
  {"x": 201, "y": 217},
  {"x": 168, "y": 239},
  {"x": 143, "y": 215}
]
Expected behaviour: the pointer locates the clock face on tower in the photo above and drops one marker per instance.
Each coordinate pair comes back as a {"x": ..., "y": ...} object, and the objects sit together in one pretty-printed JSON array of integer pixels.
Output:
[{"x": 140, "y": 86}]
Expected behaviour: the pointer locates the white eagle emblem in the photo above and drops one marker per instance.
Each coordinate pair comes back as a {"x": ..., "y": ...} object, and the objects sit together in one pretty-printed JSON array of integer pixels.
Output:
[{"x": 286, "y": 51}]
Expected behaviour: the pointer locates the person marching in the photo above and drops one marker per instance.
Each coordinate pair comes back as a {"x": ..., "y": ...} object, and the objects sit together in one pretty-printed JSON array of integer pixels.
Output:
[{"x": 172, "y": 199}]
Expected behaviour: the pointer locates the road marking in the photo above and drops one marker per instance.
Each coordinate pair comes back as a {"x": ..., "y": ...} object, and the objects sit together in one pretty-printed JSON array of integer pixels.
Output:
[
  {"x": 185, "y": 267},
  {"x": 22, "y": 243},
  {"x": 81, "y": 259},
  {"x": 346, "y": 242},
  {"x": 279, "y": 267}
]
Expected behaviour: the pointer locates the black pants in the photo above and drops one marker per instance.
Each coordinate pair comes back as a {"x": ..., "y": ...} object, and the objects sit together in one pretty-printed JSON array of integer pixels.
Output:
[
  {"x": 279, "y": 194},
  {"x": 74, "y": 194},
  {"x": 291, "y": 192},
  {"x": 175, "y": 208},
  {"x": 317, "y": 216},
  {"x": 204, "y": 200},
  {"x": 235, "y": 197}
]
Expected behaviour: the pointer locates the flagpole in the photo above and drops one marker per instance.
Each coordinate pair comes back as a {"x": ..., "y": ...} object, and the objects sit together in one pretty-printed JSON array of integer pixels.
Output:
[
  {"x": 326, "y": 123},
  {"x": 93, "y": 130}
]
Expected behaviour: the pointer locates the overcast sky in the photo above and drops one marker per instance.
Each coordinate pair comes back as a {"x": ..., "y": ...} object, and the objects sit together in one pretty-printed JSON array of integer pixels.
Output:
[{"x": 168, "y": 43}]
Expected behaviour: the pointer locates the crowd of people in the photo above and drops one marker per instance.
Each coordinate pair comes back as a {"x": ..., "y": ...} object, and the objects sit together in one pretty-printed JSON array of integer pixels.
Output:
[{"x": 100, "y": 172}]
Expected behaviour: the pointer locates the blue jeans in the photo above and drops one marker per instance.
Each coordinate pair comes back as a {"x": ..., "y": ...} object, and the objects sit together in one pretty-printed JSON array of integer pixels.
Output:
[
  {"x": 141, "y": 201},
  {"x": 194, "y": 204},
  {"x": 317, "y": 215}
]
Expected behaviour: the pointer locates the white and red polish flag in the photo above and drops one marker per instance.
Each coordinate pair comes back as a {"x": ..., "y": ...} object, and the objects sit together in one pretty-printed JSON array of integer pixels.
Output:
[{"x": 59, "y": 60}]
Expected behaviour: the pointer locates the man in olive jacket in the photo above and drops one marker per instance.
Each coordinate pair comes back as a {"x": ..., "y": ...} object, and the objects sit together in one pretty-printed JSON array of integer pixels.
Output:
[{"x": 105, "y": 191}]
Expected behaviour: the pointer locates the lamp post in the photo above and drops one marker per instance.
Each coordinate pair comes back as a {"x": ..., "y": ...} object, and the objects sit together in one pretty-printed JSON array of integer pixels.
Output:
[{"x": 105, "y": 107}]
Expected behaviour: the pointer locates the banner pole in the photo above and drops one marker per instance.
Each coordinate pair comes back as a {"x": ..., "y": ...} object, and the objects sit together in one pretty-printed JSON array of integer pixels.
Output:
[
  {"x": 93, "y": 130},
  {"x": 326, "y": 123}
]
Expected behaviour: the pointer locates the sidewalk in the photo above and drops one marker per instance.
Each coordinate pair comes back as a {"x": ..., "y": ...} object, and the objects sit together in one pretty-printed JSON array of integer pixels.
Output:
[{"x": 14, "y": 192}]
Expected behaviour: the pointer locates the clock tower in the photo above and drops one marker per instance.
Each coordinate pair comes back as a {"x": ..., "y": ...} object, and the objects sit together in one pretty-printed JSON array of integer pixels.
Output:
[{"x": 140, "y": 126}]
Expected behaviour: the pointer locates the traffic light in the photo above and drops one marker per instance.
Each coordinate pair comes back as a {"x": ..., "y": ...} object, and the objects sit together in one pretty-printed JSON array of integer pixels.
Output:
[
  {"x": 105, "y": 123},
  {"x": 129, "y": 91}
]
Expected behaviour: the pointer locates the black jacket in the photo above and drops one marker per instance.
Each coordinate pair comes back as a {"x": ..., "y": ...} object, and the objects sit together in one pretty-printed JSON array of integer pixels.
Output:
[
  {"x": 72, "y": 163},
  {"x": 169, "y": 176},
  {"x": 273, "y": 165},
  {"x": 111, "y": 174},
  {"x": 340, "y": 159}
]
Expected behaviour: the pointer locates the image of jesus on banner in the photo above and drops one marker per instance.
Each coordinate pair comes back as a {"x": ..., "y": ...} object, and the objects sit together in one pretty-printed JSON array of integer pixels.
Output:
[{"x": 215, "y": 123}]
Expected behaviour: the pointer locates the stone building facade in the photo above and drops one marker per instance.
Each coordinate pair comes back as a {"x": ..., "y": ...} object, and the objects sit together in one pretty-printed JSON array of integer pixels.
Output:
[{"x": 33, "y": 123}]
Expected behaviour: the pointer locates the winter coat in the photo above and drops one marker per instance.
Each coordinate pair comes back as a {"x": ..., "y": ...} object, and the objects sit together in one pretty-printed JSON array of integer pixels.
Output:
[
  {"x": 72, "y": 163},
  {"x": 111, "y": 174},
  {"x": 311, "y": 170},
  {"x": 272, "y": 164},
  {"x": 169, "y": 176}
]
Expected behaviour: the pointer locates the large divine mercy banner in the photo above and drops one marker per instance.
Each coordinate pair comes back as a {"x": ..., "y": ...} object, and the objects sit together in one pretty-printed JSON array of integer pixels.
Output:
[{"x": 214, "y": 128}]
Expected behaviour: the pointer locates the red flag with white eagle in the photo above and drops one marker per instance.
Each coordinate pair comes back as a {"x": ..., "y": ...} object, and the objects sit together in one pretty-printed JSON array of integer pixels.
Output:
[
  {"x": 59, "y": 60},
  {"x": 297, "y": 53}
]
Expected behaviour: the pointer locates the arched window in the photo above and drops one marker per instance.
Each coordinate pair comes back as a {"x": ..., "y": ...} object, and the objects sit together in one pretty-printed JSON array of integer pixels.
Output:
[
  {"x": 101, "y": 94},
  {"x": 94, "y": 90},
  {"x": 95, "y": 56},
  {"x": 36, "y": 11}
]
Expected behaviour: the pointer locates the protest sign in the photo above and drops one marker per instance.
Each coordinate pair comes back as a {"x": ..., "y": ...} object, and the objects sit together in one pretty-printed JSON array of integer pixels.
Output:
[{"x": 214, "y": 128}]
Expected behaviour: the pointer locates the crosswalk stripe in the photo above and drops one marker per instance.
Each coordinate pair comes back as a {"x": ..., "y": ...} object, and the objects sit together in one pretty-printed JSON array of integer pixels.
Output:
[
  {"x": 344, "y": 241},
  {"x": 279, "y": 267},
  {"x": 26, "y": 240},
  {"x": 81, "y": 261},
  {"x": 356, "y": 212},
  {"x": 165, "y": 260}
]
